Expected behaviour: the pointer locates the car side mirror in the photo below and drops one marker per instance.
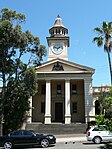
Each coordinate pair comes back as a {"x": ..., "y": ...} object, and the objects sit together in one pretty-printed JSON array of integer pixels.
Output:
[{"x": 33, "y": 135}]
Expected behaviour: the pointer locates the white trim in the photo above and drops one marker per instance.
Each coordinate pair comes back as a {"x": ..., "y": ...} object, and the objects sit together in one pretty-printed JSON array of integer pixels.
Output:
[{"x": 62, "y": 72}]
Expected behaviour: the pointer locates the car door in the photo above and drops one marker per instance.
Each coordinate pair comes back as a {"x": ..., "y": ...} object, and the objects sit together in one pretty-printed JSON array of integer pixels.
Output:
[
  {"x": 110, "y": 136},
  {"x": 106, "y": 135},
  {"x": 30, "y": 138},
  {"x": 16, "y": 137}
]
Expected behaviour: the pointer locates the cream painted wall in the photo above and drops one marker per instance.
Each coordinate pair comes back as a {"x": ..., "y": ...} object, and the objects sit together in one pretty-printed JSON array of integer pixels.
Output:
[
  {"x": 37, "y": 116},
  {"x": 79, "y": 98}
]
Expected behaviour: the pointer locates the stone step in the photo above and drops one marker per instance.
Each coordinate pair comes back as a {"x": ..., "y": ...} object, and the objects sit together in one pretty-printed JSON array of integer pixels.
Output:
[{"x": 57, "y": 128}]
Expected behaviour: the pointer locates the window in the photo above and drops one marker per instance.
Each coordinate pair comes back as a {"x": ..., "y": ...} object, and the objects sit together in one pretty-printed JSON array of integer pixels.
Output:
[
  {"x": 42, "y": 107},
  {"x": 27, "y": 133},
  {"x": 74, "y": 89},
  {"x": 74, "y": 107},
  {"x": 100, "y": 128},
  {"x": 58, "y": 89},
  {"x": 96, "y": 129},
  {"x": 16, "y": 133},
  {"x": 43, "y": 89}
]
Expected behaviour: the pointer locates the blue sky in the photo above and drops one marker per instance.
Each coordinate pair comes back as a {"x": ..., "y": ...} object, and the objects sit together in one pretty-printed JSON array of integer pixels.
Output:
[{"x": 80, "y": 17}]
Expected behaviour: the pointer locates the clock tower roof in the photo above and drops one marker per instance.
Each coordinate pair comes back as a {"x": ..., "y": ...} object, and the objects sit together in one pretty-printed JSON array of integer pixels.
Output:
[
  {"x": 58, "y": 28},
  {"x": 58, "y": 22}
]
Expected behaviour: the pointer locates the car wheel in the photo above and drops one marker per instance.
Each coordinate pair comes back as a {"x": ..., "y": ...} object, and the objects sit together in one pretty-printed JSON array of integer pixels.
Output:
[
  {"x": 7, "y": 145},
  {"x": 97, "y": 140},
  {"x": 44, "y": 143}
]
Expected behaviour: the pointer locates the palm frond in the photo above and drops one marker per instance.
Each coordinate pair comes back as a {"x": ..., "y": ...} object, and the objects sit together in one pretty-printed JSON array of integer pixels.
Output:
[
  {"x": 107, "y": 27},
  {"x": 98, "y": 41},
  {"x": 95, "y": 39},
  {"x": 110, "y": 25},
  {"x": 104, "y": 24},
  {"x": 98, "y": 30}
]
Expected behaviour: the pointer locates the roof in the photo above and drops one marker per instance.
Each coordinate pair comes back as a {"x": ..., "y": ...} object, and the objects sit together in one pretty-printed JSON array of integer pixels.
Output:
[
  {"x": 58, "y": 22},
  {"x": 59, "y": 65}
]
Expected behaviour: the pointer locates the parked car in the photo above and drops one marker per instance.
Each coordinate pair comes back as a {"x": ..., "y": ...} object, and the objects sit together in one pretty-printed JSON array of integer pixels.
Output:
[
  {"x": 26, "y": 138},
  {"x": 97, "y": 134}
]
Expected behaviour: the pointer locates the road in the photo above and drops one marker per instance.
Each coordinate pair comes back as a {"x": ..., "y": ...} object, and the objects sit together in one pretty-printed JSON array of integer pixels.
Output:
[
  {"x": 72, "y": 145},
  {"x": 76, "y": 146}
]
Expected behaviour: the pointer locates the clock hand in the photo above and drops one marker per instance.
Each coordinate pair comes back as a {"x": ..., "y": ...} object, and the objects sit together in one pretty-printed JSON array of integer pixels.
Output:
[{"x": 58, "y": 47}]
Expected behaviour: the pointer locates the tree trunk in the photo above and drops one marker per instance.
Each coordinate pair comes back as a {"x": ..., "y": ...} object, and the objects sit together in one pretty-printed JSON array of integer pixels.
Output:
[{"x": 110, "y": 67}]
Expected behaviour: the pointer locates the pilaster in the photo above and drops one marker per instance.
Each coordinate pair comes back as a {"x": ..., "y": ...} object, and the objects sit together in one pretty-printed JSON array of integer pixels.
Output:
[{"x": 89, "y": 104}]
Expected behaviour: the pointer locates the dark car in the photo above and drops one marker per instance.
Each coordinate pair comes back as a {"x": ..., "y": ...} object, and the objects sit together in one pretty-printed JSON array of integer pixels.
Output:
[{"x": 26, "y": 138}]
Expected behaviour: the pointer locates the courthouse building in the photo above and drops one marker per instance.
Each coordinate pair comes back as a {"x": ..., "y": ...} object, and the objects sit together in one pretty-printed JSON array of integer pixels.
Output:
[{"x": 64, "y": 87}]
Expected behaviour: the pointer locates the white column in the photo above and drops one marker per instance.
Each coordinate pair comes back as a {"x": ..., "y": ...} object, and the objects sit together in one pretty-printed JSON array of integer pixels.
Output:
[
  {"x": 67, "y": 102},
  {"x": 48, "y": 103},
  {"x": 89, "y": 103}
]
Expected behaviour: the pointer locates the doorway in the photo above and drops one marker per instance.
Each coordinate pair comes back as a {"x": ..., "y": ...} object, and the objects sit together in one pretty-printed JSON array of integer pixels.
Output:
[{"x": 59, "y": 112}]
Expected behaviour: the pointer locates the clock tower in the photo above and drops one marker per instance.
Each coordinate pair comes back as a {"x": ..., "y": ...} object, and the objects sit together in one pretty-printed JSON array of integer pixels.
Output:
[{"x": 58, "y": 42}]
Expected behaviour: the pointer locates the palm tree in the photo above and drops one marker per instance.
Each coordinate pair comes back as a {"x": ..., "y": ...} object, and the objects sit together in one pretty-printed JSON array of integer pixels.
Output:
[{"x": 104, "y": 38}]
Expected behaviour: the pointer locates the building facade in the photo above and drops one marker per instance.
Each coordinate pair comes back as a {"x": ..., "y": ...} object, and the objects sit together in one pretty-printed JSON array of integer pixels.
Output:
[{"x": 64, "y": 87}]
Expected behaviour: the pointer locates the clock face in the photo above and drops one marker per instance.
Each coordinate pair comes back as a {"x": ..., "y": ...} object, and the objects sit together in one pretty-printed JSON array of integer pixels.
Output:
[{"x": 57, "y": 49}]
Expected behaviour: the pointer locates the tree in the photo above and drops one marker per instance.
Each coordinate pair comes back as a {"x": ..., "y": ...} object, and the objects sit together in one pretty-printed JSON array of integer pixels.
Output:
[
  {"x": 104, "y": 38},
  {"x": 16, "y": 103},
  {"x": 19, "y": 81},
  {"x": 105, "y": 116}
]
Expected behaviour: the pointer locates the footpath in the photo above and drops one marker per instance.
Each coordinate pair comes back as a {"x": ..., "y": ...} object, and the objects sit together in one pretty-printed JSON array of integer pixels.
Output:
[{"x": 71, "y": 138}]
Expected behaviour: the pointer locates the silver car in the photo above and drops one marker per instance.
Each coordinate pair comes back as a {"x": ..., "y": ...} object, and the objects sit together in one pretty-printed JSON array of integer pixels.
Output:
[{"x": 97, "y": 134}]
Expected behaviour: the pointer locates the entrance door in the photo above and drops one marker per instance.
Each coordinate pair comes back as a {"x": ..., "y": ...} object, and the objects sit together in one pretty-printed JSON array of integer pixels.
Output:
[{"x": 59, "y": 112}]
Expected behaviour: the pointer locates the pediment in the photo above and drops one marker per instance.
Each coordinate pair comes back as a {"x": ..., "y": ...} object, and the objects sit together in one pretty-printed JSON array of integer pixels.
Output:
[{"x": 63, "y": 66}]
